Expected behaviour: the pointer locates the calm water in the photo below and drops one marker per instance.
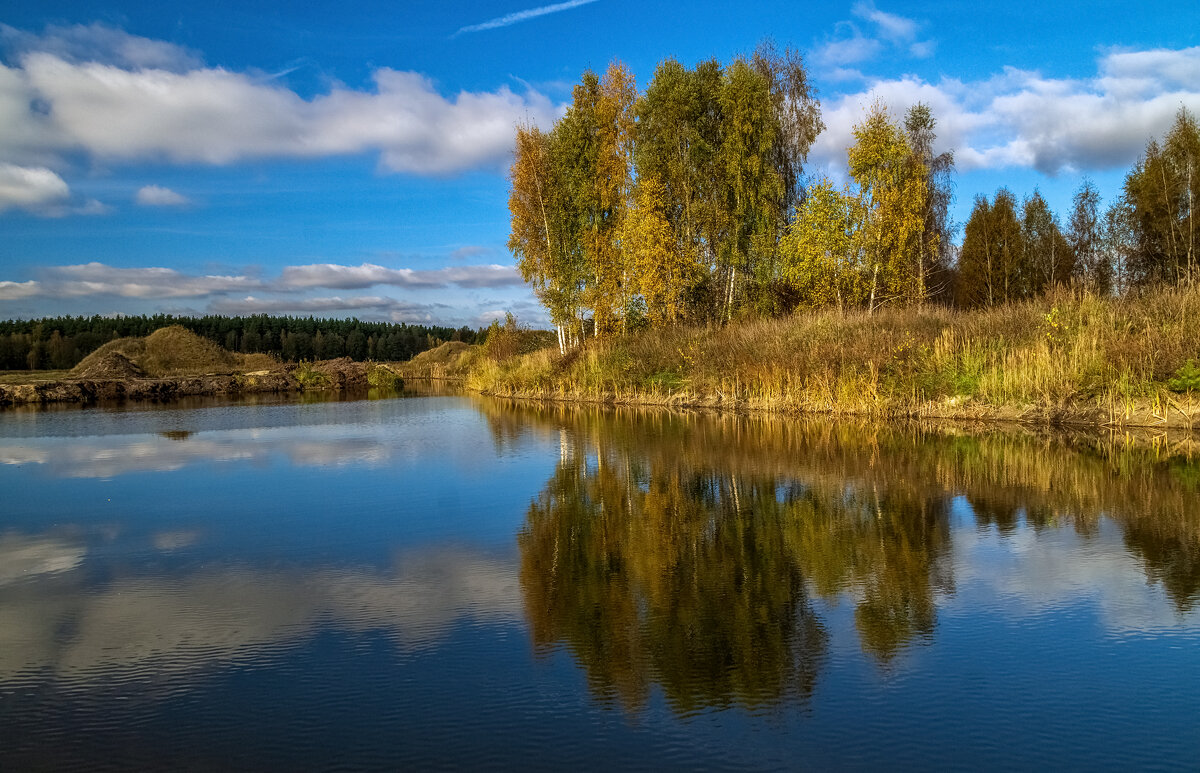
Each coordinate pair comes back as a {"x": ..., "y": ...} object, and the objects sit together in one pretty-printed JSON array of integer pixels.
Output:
[{"x": 446, "y": 582}]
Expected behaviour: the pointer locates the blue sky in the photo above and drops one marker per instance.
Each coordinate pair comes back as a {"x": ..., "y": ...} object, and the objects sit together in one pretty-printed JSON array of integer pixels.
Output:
[{"x": 241, "y": 157}]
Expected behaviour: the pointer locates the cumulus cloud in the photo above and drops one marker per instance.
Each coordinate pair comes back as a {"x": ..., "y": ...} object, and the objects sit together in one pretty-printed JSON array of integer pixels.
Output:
[
  {"x": 101, "y": 279},
  {"x": 368, "y": 274},
  {"x": 1020, "y": 118},
  {"x": 91, "y": 279},
  {"x": 31, "y": 188},
  {"x": 52, "y": 103},
  {"x": 520, "y": 16},
  {"x": 13, "y": 291},
  {"x": 157, "y": 196}
]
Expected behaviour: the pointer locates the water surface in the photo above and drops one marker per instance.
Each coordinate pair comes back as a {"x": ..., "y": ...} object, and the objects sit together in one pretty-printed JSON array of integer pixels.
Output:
[{"x": 441, "y": 581}]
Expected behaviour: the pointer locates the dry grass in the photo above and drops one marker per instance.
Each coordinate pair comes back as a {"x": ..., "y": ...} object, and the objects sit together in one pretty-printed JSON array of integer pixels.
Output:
[
  {"x": 505, "y": 345},
  {"x": 450, "y": 360},
  {"x": 1061, "y": 358},
  {"x": 32, "y": 376},
  {"x": 175, "y": 351}
]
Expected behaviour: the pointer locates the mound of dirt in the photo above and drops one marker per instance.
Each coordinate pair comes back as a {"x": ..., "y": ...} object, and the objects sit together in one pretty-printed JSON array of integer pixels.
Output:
[
  {"x": 168, "y": 351},
  {"x": 342, "y": 372},
  {"x": 446, "y": 354},
  {"x": 110, "y": 365},
  {"x": 175, "y": 349},
  {"x": 450, "y": 360}
]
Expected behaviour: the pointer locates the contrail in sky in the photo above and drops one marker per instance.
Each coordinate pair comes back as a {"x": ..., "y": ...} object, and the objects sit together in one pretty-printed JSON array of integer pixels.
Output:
[{"x": 520, "y": 16}]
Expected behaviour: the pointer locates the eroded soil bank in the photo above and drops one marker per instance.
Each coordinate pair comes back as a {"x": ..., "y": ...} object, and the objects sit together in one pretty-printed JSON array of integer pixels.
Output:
[{"x": 336, "y": 374}]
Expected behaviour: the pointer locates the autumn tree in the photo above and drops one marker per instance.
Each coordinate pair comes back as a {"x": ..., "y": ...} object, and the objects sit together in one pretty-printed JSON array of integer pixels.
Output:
[
  {"x": 753, "y": 198},
  {"x": 544, "y": 235},
  {"x": 930, "y": 260},
  {"x": 1162, "y": 191},
  {"x": 679, "y": 141},
  {"x": 797, "y": 114},
  {"x": 821, "y": 251},
  {"x": 990, "y": 268},
  {"x": 1119, "y": 242},
  {"x": 610, "y": 294},
  {"x": 661, "y": 270},
  {"x": 893, "y": 189},
  {"x": 1083, "y": 232}
]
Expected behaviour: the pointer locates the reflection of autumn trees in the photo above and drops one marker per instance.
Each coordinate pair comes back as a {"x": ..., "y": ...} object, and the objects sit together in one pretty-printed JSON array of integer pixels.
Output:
[
  {"x": 889, "y": 547},
  {"x": 662, "y": 514},
  {"x": 655, "y": 565},
  {"x": 654, "y": 573}
]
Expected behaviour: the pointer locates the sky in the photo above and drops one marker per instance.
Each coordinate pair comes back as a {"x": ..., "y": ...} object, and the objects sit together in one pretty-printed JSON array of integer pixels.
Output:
[{"x": 300, "y": 158}]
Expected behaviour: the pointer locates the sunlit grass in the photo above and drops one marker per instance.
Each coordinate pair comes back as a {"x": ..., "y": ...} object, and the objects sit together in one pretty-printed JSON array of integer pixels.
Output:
[
  {"x": 32, "y": 376},
  {"x": 1058, "y": 356}
]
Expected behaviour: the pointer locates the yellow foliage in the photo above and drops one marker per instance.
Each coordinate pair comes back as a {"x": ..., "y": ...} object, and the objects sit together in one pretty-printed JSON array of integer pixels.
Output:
[{"x": 661, "y": 270}]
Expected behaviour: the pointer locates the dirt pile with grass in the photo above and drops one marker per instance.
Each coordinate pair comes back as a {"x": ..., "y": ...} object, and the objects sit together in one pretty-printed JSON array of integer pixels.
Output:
[
  {"x": 451, "y": 360},
  {"x": 112, "y": 364},
  {"x": 455, "y": 361},
  {"x": 1063, "y": 359},
  {"x": 173, "y": 362},
  {"x": 168, "y": 351}
]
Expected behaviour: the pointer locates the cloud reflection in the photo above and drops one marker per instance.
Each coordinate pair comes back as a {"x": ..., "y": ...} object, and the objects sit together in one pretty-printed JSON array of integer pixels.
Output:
[
  {"x": 162, "y": 624},
  {"x": 109, "y": 457}
]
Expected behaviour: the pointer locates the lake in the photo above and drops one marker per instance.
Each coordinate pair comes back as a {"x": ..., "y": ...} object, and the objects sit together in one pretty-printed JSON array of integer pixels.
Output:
[{"x": 439, "y": 581}]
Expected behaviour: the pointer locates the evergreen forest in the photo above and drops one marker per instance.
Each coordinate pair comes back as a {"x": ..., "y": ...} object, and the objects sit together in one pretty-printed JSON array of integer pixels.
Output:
[{"x": 59, "y": 343}]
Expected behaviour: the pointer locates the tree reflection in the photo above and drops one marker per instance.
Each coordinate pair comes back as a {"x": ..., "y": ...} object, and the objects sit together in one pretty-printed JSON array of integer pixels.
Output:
[
  {"x": 668, "y": 557},
  {"x": 658, "y": 574},
  {"x": 697, "y": 553}
]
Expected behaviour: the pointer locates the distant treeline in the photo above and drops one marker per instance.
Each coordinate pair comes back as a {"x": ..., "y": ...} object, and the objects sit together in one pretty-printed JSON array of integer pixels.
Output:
[{"x": 59, "y": 343}]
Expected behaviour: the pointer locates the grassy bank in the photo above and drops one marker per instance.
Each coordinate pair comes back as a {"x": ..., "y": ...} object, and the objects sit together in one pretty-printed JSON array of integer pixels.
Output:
[{"x": 1064, "y": 358}]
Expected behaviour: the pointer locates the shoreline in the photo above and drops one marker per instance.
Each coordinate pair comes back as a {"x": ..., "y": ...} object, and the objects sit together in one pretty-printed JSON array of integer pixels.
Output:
[
  {"x": 323, "y": 376},
  {"x": 1167, "y": 413},
  {"x": 1072, "y": 360},
  {"x": 1142, "y": 414},
  {"x": 1088, "y": 417},
  {"x": 88, "y": 391}
]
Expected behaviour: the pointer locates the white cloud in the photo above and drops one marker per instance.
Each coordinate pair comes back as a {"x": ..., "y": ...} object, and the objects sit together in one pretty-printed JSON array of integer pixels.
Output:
[
  {"x": 368, "y": 274},
  {"x": 482, "y": 276},
  {"x": 91, "y": 279},
  {"x": 157, "y": 196},
  {"x": 30, "y": 187},
  {"x": 99, "y": 42},
  {"x": 92, "y": 207},
  {"x": 470, "y": 251},
  {"x": 849, "y": 50},
  {"x": 51, "y": 105},
  {"x": 490, "y": 316},
  {"x": 896, "y": 29},
  {"x": 1022, "y": 119},
  {"x": 100, "y": 279},
  {"x": 851, "y": 45},
  {"x": 520, "y": 16},
  {"x": 14, "y": 291}
]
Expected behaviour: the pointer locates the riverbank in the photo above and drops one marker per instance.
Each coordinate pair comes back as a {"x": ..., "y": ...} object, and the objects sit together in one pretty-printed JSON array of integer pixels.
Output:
[
  {"x": 325, "y": 375},
  {"x": 1066, "y": 360},
  {"x": 171, "y": 363}
]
